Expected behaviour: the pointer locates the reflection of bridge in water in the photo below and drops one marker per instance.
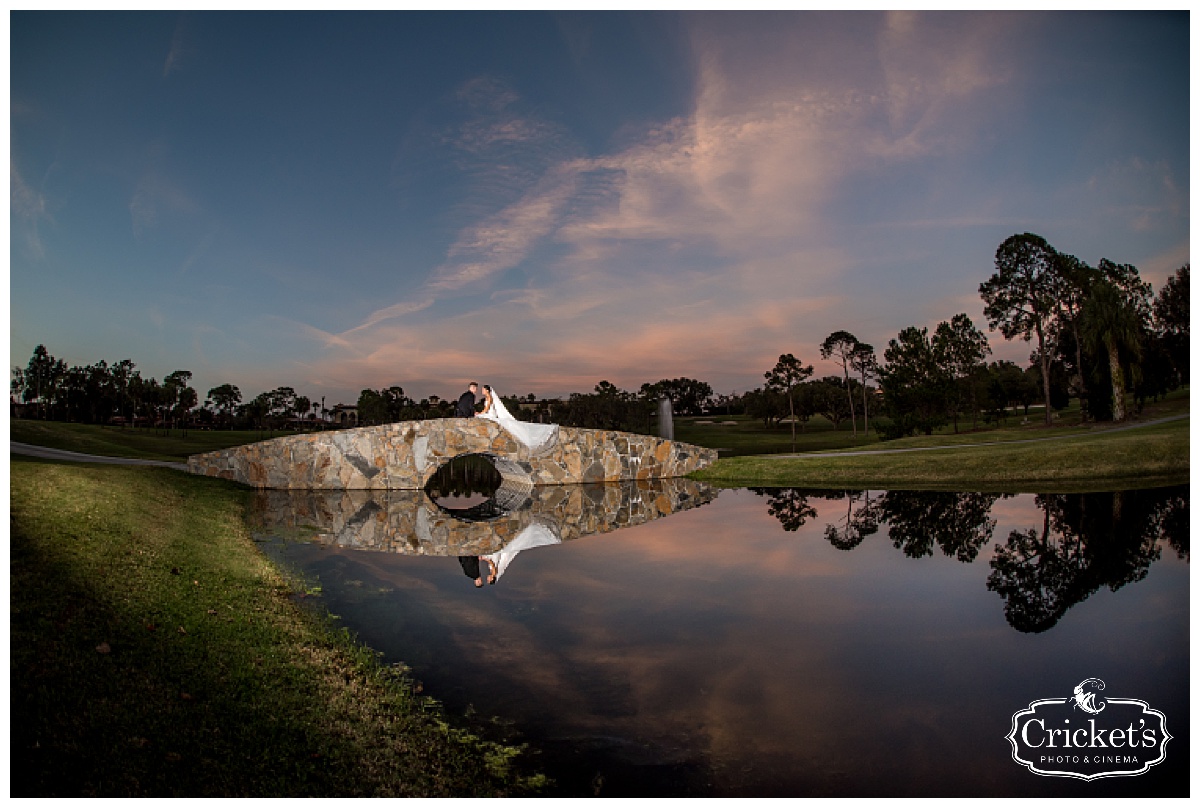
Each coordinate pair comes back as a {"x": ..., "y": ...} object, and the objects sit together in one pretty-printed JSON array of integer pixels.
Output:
[{"x": 410, "y": 522}]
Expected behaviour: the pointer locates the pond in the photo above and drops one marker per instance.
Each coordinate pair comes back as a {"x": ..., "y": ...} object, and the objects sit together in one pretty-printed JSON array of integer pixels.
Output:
[{"x": 669, "y": 638}]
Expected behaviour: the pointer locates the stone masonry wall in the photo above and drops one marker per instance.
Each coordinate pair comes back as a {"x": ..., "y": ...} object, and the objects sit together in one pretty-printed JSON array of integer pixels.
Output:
[{"x": 405, "y": 455}]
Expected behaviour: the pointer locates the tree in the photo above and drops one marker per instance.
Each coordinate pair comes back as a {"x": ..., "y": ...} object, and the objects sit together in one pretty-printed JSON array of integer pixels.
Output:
[
  {"x": 1172, "y": 318},
  {"x": 16, "y": 387},
  {"x": 258, "y": 410},
  {"x": 783, "y": 378},
  {"x": 1060, "y": 383},
  {"x": 688, "y": 396},
  {"x": 1137, "y": 293},
  {"x": 397, "y": 402},
  {"x": 1111, "y": 324},
  {"x": 95, "y": 398},
  {"x": 1019, "y": 299},
  {"x": 829, "y": 399},
  {"x": 808, "y": 402},
  {"x": 765, "y": 405},
  {"x": 607, "y": 407},
  {"x": 841, "y": 345},
  {"x": 916, "y": 388},
  {"x": 372, "y": 408},
  {"x": 138, "y": 390},
  {"x": 863, "y": 360},
  {"x": 179, "y": 398},
  {"x": 40, "y": 374},
  {"x": 225, "y": 398},
  {"x": 961, "y": 348},
  {"x": 1074, "y": 280},
  {"x": 121, "y": 373}
]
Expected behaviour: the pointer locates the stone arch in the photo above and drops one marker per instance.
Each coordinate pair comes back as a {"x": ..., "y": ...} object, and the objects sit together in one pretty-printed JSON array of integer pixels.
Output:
[
  {"x": 405, "y": 455},
  {"x": 511, "y": 472}
]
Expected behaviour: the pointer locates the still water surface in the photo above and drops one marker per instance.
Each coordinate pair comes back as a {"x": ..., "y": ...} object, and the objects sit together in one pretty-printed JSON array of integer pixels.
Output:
[{"x": 672, "y": 639}]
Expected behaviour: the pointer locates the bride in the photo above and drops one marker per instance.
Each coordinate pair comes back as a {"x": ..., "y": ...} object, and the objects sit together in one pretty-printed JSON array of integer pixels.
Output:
[{"x": 535, "y": 436}]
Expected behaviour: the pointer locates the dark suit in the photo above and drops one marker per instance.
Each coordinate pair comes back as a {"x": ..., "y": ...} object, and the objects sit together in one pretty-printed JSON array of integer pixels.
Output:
[
  {"x": 466, "y": 405},
  {"x": 470, "y": 565}
]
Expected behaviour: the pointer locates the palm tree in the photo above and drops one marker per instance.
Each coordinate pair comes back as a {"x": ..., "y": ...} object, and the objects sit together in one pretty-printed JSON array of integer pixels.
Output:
[{"x": 1109, "y": 324}]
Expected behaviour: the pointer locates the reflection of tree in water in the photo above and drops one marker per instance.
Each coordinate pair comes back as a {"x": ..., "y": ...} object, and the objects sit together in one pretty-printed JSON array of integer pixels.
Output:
[
  {"x": 1086, "y": 541},
  {"x": 1175, "y": 524},
  {"x": 957, "y": 522},
  {"x": 858, "y": 523},
  {"x": 788, "y": 505}
]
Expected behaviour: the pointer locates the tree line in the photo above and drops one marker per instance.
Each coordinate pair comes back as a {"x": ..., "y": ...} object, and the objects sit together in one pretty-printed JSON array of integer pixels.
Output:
[
  {"x": 606, "y": 407},
  {"x": 1099, "y": 335},
  {"x": 117, "y": 393}
]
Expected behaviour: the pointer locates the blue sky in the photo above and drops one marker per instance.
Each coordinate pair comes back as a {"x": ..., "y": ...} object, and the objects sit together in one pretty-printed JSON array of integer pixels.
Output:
[{"x": 339, "y": 201}]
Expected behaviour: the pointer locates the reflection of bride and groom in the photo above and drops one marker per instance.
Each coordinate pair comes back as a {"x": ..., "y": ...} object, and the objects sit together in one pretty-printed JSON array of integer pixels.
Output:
[
  {"x": 534, "y": 437},
  {"x": 535, "y": 535}
]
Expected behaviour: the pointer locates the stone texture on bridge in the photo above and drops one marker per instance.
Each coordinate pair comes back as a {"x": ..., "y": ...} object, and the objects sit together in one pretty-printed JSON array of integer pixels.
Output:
[
  {"x": 410, "y": 523},
  {"x": 405, "y": 455}
]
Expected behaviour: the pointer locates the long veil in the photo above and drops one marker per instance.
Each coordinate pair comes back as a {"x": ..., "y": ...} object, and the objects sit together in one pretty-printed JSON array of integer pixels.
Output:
[
  {"x": 535, "y": 436},
  {"x": 501, "y": 412}
]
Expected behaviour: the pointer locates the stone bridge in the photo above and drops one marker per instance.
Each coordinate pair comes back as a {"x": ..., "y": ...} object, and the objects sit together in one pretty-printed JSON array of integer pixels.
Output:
[{"x": 405, "y": 455}]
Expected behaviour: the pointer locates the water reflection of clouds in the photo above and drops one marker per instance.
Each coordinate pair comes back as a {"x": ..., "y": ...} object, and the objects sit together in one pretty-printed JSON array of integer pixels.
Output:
[
  {"x": 698, "y": 659},
  {"x": 769, "y": 658}
]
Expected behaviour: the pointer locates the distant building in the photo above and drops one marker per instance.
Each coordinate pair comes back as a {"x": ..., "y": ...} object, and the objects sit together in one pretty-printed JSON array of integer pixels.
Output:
[{"x": 344, "y": 415}]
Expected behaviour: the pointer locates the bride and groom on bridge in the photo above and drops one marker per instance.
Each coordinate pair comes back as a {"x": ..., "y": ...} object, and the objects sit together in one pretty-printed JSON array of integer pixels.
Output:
[{"x": 533, "y": 436}]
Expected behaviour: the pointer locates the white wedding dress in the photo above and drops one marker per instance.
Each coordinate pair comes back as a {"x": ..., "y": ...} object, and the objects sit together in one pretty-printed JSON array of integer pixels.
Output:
[
  {"x": 536, "y": 535},
  {"x": 536, "y": 437}
]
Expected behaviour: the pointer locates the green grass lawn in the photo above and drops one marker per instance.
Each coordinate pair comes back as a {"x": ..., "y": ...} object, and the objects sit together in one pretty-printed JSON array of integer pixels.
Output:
[
  {"x": 749, "y": 437},
  {"x": 147, "y": 444},
  {"x": 156, "y": 652},
  {"x": 1153, "y": 455}
]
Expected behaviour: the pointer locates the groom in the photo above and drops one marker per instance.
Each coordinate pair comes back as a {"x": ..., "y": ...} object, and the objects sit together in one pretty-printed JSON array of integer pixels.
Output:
[{"x": 466, "y": 402}]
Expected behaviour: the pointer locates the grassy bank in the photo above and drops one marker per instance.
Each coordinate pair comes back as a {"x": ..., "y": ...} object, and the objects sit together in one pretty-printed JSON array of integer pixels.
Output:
[
  {"x": 1140, "y": 457},
  {"x": 155, "y": 651},
  {"x": 146, "y": 444}
]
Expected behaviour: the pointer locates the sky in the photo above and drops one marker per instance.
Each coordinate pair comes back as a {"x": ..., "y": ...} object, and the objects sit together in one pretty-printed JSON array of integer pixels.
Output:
[{"x": 541, "y": 201}]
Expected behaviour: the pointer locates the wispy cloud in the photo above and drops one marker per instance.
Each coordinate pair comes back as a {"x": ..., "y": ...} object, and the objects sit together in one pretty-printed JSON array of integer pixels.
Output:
[
  {"x": 379, "y": 316},
  {"x": 201, "y": 249},
  {"x": 154, "y": 194},
  {"x": 327, "y": 339},
  {"x": 175, "y": 56},
  {"x": 706, "y": 246},
  {"x": 29, "y": 205},
  {"x": 503, "y": 240}
]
